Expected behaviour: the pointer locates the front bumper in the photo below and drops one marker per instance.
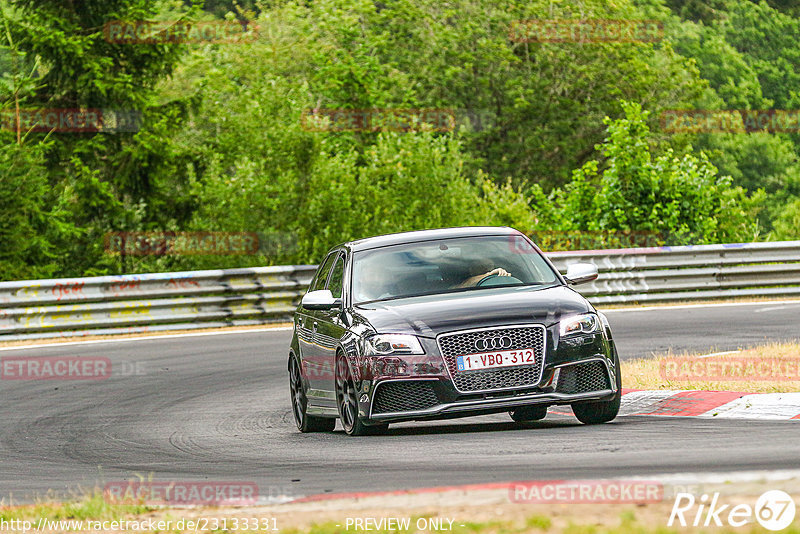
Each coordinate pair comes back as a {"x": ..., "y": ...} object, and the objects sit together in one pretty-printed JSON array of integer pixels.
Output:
[{"x": 491, "y": 402}]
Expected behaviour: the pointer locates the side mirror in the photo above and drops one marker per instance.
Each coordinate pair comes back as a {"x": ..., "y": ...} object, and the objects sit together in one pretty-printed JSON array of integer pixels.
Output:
[
  {"x": 321, "y": 299},
  {"x": 578, "y": 273}
]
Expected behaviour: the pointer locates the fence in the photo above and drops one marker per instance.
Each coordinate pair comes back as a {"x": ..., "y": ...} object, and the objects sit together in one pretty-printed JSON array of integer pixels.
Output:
[
  {"x": 238, "y": 297},
  {"x": 664, "y": 274},
  {"x": 150, "y": 302}
]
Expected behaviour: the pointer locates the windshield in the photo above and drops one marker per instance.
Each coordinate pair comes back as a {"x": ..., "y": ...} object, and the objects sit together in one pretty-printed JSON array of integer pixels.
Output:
[{"x": 447, "y": 265}]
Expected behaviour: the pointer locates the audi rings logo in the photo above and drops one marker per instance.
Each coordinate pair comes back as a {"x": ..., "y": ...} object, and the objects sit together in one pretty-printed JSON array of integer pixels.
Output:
[{"x": 493, "y": 343}]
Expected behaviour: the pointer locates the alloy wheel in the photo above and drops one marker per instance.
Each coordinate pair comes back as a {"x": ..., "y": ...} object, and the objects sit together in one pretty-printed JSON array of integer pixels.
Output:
[
  {"x": 298, "y": 396},
  {"x": 346, "y": 395}
]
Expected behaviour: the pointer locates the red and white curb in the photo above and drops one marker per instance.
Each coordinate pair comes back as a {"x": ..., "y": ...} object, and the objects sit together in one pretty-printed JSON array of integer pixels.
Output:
[{"x": 721, "y": 404}]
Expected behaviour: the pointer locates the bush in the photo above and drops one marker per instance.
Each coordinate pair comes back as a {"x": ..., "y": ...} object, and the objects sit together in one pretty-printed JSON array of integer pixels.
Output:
[
  {"x": 28, "y": 229},
  {"x": 678, "y": 196},
  {"x": 787, "y": 224}
]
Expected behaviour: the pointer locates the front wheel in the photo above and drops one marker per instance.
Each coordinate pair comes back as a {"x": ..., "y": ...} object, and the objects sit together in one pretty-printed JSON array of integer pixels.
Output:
[
  {"x": 597, "y": 412},
  {"x": 305, "y": 423},
  {"x": 347, "y": 402}
]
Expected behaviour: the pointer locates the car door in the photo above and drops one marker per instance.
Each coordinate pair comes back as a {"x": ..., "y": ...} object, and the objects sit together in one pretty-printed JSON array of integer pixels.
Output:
[
  {"x": 312, "y": 356},
  {"x": 331, "y": 328}
]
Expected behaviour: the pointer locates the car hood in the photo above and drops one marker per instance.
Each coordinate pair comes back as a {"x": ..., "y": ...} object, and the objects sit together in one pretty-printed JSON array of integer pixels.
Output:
[{"x": 433, "y": 314}]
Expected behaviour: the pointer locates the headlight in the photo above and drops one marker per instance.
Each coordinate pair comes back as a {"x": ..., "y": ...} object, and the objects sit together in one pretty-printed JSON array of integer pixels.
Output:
[
  {"x": 587, "y": 323},
  {"x": 393, "y": 344}
]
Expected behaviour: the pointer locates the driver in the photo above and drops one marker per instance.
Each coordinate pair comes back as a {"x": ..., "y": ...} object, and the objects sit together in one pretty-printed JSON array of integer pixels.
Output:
[{"x": 480, "y": 268}]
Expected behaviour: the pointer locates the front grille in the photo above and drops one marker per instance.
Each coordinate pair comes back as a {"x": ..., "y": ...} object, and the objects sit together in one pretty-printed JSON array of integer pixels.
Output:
[
  {"x": 404, "y": 396},
  {"x": 583, "y": 378},
  {"x": 522, "y": 337}
]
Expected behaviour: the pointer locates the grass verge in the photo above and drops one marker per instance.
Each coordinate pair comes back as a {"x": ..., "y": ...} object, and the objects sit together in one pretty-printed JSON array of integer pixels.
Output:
[
  {"x": 454, "y": 512},
  {"x": 771, "y": 368},
  {"x": 92, "y": 506}
]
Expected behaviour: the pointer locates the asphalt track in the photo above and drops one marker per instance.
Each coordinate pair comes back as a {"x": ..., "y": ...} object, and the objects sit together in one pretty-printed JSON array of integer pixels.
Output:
[{"x": 216, "y": 408}]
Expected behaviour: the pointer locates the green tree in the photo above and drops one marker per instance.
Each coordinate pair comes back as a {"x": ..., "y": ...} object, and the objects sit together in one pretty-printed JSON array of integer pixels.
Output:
[
  {"x": 787, "y": 223},
  {"x": 749, "y": 55},
  {"x": 102, "y": 179},
  {"x": 530, "y": 111},
  {"x": 222, "y": 145},
  {"x": 705, "y": 11},
  {"x": 770, "y": 41},
  {"x": 728, "y": 70},
  {"x": 789, "y": 7},
  {"x": 29, "y": 225},
  {"x": 254, "y": 167},
  {"x": 679, "y": 196}
]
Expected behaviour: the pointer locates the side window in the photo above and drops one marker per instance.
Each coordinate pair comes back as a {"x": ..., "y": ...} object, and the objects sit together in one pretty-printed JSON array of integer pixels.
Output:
[
  {"x": 337, "y": 278},
  {"x": 322, "y": 274}
]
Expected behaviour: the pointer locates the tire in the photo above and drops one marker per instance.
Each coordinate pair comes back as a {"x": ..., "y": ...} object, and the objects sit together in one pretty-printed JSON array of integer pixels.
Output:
[
  {"x": 305, "y": 423},
  {"x": 347, "y": 403},
  {"x": 523, "y": 414},
  {"x": 597, "y": 412}
]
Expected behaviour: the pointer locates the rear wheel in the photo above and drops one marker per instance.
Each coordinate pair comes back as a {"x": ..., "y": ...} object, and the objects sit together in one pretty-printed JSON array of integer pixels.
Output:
[
  {"x": 347, "y": 401},
  {"x": 305, "y": 422},
  {"x": 597, "y": 412},
  {"x": 524, "y": 414}
]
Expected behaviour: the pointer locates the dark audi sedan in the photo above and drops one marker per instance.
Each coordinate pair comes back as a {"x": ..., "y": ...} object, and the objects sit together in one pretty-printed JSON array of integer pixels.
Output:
[{"x": 447, "y": 323}]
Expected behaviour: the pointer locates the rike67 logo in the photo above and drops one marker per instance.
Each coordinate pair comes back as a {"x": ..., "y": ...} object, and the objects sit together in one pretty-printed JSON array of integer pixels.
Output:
[{"x": 774, "y": 510}]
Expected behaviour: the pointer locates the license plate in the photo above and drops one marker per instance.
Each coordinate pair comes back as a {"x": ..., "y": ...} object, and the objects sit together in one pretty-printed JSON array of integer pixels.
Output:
[{"x": 493, "y": 360}]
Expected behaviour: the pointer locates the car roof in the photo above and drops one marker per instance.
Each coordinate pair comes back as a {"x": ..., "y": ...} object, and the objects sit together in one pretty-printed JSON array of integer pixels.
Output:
[{"x": 427, "y": 235}]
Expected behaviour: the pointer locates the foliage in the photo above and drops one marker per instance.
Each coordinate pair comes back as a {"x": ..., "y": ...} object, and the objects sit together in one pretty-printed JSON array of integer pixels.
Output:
[
  {"x": 678, "y": 196},
  {"x": 97, "y": 178},
  {"x": 750, "y": 53},
  {"x": 787, "y": 223},
  {"x": 549, "y": 135},
  {"x": 770, "y": 41},
  {"x": 257, "y": 169},
  {"x": 530, "y": 111},
  {"x": 29, "y": 225}
]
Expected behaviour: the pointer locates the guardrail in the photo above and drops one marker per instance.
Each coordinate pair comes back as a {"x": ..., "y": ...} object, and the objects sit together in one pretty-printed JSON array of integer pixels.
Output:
[
  {"x": 664, "y": 274},
  {"x": 150, "y": 302},
  {"x": 73, "y": 307}
]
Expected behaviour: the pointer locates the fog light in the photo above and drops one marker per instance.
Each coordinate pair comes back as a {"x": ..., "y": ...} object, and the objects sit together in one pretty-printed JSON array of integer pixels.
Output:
[{"x": 387, "y": 366}]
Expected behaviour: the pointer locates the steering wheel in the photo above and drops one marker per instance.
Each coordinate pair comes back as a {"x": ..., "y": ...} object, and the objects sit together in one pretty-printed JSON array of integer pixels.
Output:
[{"x": 497, "y": 280}]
